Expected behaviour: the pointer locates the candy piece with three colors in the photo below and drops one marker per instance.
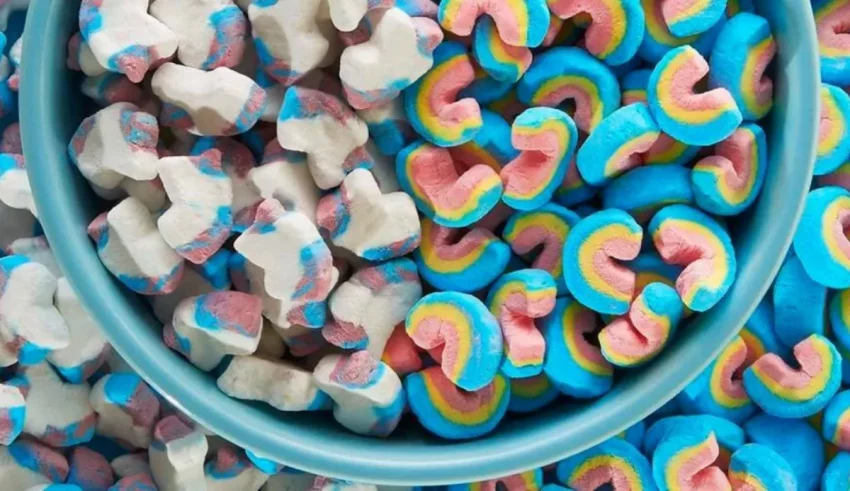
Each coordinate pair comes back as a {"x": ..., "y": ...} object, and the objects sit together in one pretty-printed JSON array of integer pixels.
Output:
[
  {"x": 668, "y": 150},
  {"x": 759, "y": 334},
  {"x": 730, "y": 437},
  {"x": 278, "y": 383},
  {"x": 590, "y": 259},
  {"x": 574, "y": 365},
  {"x": 796, "y": 392},
  {"x": 531, "y": 393},
  {"x": 643, "y": 190},
  {"x": 833, "y": 148},
  {"x": 616, "y": 26},
  {"x": 729, "y": 181},
  {"x": 451, "y": 412},
  {"x": 685, "y": 459},
  {"x": 89, "y": 470},
  {"x": 517, "y": 299},
  {"x": 820, "y": 241},
  {"x": 614, "y": 462},
  {"x": 692, "y": 118},
  {"x": 58, "y": 414},
  {"x": 530, "y": 480},
  {"x": 650, "y": 268},
  {"x": 798, "y": 304},
  {"x": 839, "y": 319},
  {"x": 570, "y": 73},
  {"x": 13, "y": 410},
  {"x": 634, "y": 85},
  {"x": 640, "y": 335},
  {"x": 519, "y": 23},
  {"x": 491, "y": 146},
  {"x": 388, "y": 126},
  {"x": 464, "y": 333},
  {"x": 127, "y": 408},
  {"x": 88, "y": 347},
  {"x": 500, "y": 60},
  {"x": 830, "y": 17},
  {"x": 229, "y": 468},
  {"x": 795, "y": 441},
  {"x": 739, "y": 58},
  {"x": 690, "y": 238},
  {"x": 431, "y": 103},
  {"x": 401, "y": 354},
  {"x": 177, "y": 455},
  {"x": 28, "y": 463},
  {"x": 836, "y": 420},
  {"x": 685, "y": 18},
  {"x": 546, "y": 139},
  {"x": 285, "y": 176},
  {"x": 658, "y": 40}
]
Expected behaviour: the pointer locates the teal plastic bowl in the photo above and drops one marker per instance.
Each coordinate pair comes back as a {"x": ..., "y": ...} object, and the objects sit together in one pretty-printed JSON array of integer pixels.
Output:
[{"x": 51, "y": 109}]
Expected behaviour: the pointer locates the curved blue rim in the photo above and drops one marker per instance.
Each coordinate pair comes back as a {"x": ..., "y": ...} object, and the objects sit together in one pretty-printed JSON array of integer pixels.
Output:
[{"x": 314, "y": 444}]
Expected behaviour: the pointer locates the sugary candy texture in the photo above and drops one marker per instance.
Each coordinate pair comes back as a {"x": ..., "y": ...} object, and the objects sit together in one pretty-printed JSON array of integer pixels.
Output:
[
  {"x": 574, "y": 190},
  {"x": 547, "y": 228},
  {"x": 127, "y": 408},
  {"x": 117, "y": 142},
  {"x": 836, "y": 420},
  {"x": 798, "y": 304},
  {"x": 28, "y": 463},
  {"x": 789, "y": 392},
  {"x": 730, "y": 437},
  {"x": 330, "y": 133},
  {"x": 451, "y": 197},
  {"x": 570, "y": 73},
  {"x": 398, "y": 52},
  {"x": 830, "y": 17},
  {"x": 739, "y": 58},
  {"x": 87, "y": 349},
  {"x": 374, "y": 226},
  {"x": 517, "y": 300},
  {"x": 58, "y": 414},
  {"x": 547, "y": 140},
  {"x": 833, "y": 148},
  {"x": 690, "y": 117},
  {"x": 500, "y": 60},
  {"x": 487, "y": 90},
  {"x": 388, "y": 127},
  {"x": 218, "y": 103},
  {"x": 124, "y": 38},
  {"x": 432, "y": 103},
  {"x": 458, "y": 259},
  {"x": 13, "y": 411},
  {"x": 133, "y": 250},
  {"x": 668, "y": 150},
  {"x": 719, "y": 390},
  {"x": 531, "y": 393},
  {"x": 590, "y": 259},
  {"x": 759, "y": 334},
  {"x": 519, "y": 23},
  {"x": 573, "y": 364},
  {"x": 788, "y": 438},
  {"x": 689, "y": 238},
  {"x": 368, "y": 306},
  {"x": 177, "y": 455},
  {"x": 230, "y": 468},
  {"x": 614, "y": 462},
  {"x": 278, "y": 383},
  {"x": 523, "y": 481},
  {"x": 658, "y": 40},
  {"x": 301, "y": 341},
  {"x": 30, "y": 326},
  {"x": 640, "y": 335},
  {"x": 685, "y": 18},
  {"x": 210, "y": 33},
  {"x": 820, "y": 242},
  {"x": 616, "y": 26},
  {"x": 633, "y": 86},
  {"x": 450, "y": 412},
  {"x": 89, "y": 470},
  {"x": 368, "y": 396},
  {"x": 491, "y": 146},
  {"x": 200, "y": 217},
  {"x": 208, "y": 327},
  {"x": 288, "y": 37},
  {"x": 198, "y": 279},
  {"x": 14, "y": 185},
  {"x": 685, "y": 458},
  {"x": 347, "y": 14},
  {"x": 616, "y": 144},
  {"x": 643, "y": 190},
  {"x": 837, "y": 473},
  {"x": 462, "y": 335},
  {"x": 729, "y": 181},
  {"x": 285, "y": 176},
  {"x": 36, "y": 249}
]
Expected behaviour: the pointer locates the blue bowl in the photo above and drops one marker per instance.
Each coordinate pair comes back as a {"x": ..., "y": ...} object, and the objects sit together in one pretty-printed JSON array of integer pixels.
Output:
[{"x": 51, "y": 109}]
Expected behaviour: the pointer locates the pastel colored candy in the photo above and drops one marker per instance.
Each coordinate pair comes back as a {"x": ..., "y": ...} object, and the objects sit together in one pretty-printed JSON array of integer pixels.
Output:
[
  {"x": 634, "y": 434},
  {"x": 658, "y": 40},
  {"x": 643, "y": 190},
  {"x": 89, "y": 470},
  {"x": 718, "y": 390},
  {"x": 614, "y": 462},
  {"x": 570, "y": 73},
  {"x": 13, "y": 410},
  {"x": 574, "y": 190},
  {"x": 640, "y": 335},
  {"x": 729, "y": 181},
  {"x": 685, "y": 18},
  {"x": 500, "y": 60},
  {"x": 466, "y": 335},
  {"x": 739, "y": 58},
  {"x": 788, "y": 437},
  {"x": 833, "y": 148},
  {"x": 830, "y": 15},
  {"x": 491, "y": 146},
  {"x": 730, "y": 437},
  {"x": 836, "y": 420},
  {"x": 451, "y": 412},
  {"x": 839, "y": 319},
  {"x": 616, "y": 26},
  {"x": 58, "y": 414},
  {"x": 401, "y": 354},
  {"x": 486, "y": 89},
  {"x": 278, "y": 383},
  {"x": 819, "y": 241},
  {"x": 789, "y": 392},
  {"x": 519, "y": 23},
  {"x": 839, "y": 177},
  {"x": 650, "y": 268},
  {"x": 517, "y": 300},
  {"x": 346, "y": 15},
  {"x": 634, "y": 85},
  {"x": 798, "y": 303},
  {"x": 14, "y": 185},
  {"x": 684, "y": 460},
  {"x": 759, "y": 333},
  {"x": 28, "y": 463},
  {"x": 531, "y": 393},
  {"x": 547, "y": 140},
  {"x": 177, "y": 454},
  {"x": 548, "y": 227},
  {"x": 530, "y": 480},
  {"x": 616, "y": 144},
  {"x": 431, "y": 102},
  {"x": 229, "y": 469},
  {"x": 88, "y": 347},
  {"x": 591, "y": 269},
  {"x": 574, "y": 365},
  {"x": 388, "y": 126},
  {"x": 458, "y": 260},
  {"x": 127, "y": 408},
  {"x": 689, "y": 238},
  {"x": 449, "y": 197},
  {"x": 668, "y": 150}
]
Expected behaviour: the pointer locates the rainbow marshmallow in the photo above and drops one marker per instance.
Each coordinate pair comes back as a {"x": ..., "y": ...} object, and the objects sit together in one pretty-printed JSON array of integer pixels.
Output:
[
  {"x": 830, "y": 16},
  {"x": 730, "y": 437},
  {"x": 531, "y": 393},
  {"x": 520, "y": 23},
  {"x": 836, "y": 420},
  {"x": 658, "y": 40},
  {"x": 634, "y": 86},
  {"x": 574, "y": 190},
  {"x": 798, "y": 304},
  {"x": 643, "y": 190},
  {"x": 759, "y": 334},
  {"x": 685, "y": 460},
  {"x": 837, "y": 473},
  {"x": 491, "y": 146},
  {"x": 500, "y": 60},
  {"x": 616, "y": 26},
  {"x": 615, "y": 462},
  {"x": 833, "y": 148},
  {"x": 795, "y": 441},
  {"x": 401, "y": 354},
  {"x": 486, "y": 89},
  {"x": 687, "y": 18},
  {"x": 531, "y": 480},
  {"x": 820, "y": 242}
]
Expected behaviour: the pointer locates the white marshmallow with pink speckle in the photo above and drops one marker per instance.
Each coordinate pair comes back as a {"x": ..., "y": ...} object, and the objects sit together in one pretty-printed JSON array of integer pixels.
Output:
[
  {"x": 58, "y": 414},
  {"x": 285, "y": 176},
  {"x": 88, "y": 347},
  {"x": 229, "y": 469},
  {"x": 278, "y": 383},
  {"x": 36, "y": 249},
  {"x": 127, "y": 408},
  {"x": 12, "y": 410},
  {"x": 25, "y": 464},
  {"x": 177, "y": 456},
  {"x": 15, "y": 188},
  {"x": 81, "y": 58},
  {"x": 151, "y": 193},
  {"x": 197, "y": 280}
]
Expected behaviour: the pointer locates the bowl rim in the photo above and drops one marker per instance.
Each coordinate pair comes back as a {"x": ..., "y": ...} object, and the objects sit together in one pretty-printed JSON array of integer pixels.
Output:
[{"x": 424, "y": 461}]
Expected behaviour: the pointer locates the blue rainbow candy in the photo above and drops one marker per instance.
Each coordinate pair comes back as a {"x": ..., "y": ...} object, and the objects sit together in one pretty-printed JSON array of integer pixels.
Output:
[
  {"x": 634, "y": 86},
  {"x": 591, "y": 272},
  {"x": 795, "y": 441},
  {"x": 491, "y": 146},
  {"x": 831, "y": 19},
  {"x": 531, "y": 393},
  {"x": 634, "y": 434},
  {"x": 658, "y": 40},
  {"x": 685, "y": 459},
  {"x": 576, "y": 367},
  {"x": 836, "y": 420},
  {"x": 798, "y": 304},
  {"x": 833, "y": 148},
  {"x": 837, "y": 473},
  {"x": 687, "y": 17},
  {"x": 613, "y": 461},
  {"x": 650, "y": 268},
  {"x": 520, "y": 23},
  {"x": 574, "y": 190},
  {"x": 485, "y": 89},
  {"x": 616, "y": 144},
  {"x": 530, "y": 480},
  {"x": 839, "y": 318},
  {"x": 730, "y": 437},
  {"x": 820, "y": 241},
  {"x": 643, "y": 190},
  {"x": 500, "y": 60},
  {"x": 758, "y": 467},
  {"x": 616, "y": 26},
  {"x": 759, "y": 334}
]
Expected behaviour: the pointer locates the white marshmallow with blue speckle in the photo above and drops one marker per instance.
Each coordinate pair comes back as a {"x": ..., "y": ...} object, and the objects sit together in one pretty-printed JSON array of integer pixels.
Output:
[
  {"x": 58, "y": 414},
  {"x": 278, "y": 383},
  {"x": 177, "y": 456}
]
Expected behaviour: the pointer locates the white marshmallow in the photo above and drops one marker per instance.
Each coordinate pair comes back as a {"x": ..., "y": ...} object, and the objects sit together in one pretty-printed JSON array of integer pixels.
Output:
[
  {"x": 124, "y": 38},
  {"x": 383, "y": 170},
  {"x": 58, "y": 414},
  {"x": 377, "y": 226},
  {"x": 289, "y": 479},
  {"x": 36, "y": 249},
  {"x": 151, "y": 193},
  {"x": 211, "y": 33},
  {"x": 284, "y": 176},
  {"x": 25, "y": 464},
  {"x": 389, "y": 128},
  {"x": 278, "y": 383},
  {"x": 132, "y": 249},
  {"x": 197, "y": 280},
  {"x": 81, "y": 58},
  {"x": 14, "y": 184},
  {"x": 230, "y": 470},
  {"x": 237, "y": 161},
  {"x": 217, "y": 103},
  {"x": 131, "y": 464},
  {"x": 88, "y": 346},
  {"x": 177, "y": 456},
  {"x": 14, "y": 410},
  {"x": 127, "y": 408}
]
